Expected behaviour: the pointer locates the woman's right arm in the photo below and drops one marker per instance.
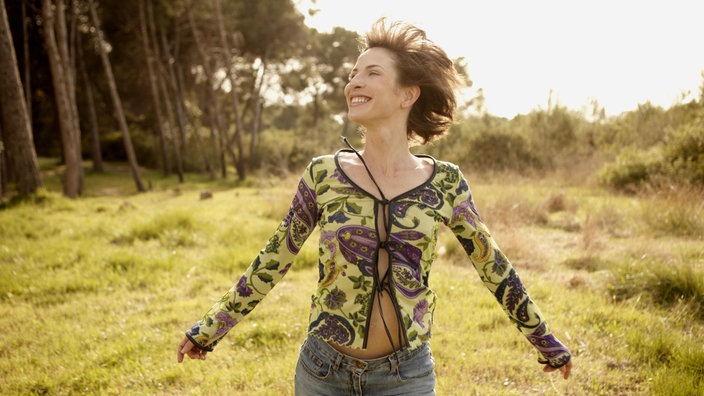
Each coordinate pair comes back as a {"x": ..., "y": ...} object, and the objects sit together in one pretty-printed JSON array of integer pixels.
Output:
[{"x": 267, "y": 269}]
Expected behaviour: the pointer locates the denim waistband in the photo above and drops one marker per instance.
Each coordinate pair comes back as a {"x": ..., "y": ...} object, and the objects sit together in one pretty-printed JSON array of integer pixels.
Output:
[{"x": 340, "y": 360}]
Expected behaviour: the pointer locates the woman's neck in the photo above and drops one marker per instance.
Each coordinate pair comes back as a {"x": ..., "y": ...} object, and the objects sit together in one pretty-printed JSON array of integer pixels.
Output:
[{"x": 388, "y": 153}]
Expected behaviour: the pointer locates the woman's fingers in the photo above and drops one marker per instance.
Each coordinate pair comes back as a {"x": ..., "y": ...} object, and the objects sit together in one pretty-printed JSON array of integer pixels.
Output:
[
  {"x": 186, "y": 347},
  {"x": 183, "y": 348},
  {"x": 565, "y": 370}
]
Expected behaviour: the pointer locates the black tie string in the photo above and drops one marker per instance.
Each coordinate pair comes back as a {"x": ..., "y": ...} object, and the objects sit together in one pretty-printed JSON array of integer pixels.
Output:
[{"x": 382, "y": 283}]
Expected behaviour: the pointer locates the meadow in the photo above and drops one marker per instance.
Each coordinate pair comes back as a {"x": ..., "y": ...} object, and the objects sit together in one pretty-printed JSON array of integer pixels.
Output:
[{"x": 97, "y": 292}]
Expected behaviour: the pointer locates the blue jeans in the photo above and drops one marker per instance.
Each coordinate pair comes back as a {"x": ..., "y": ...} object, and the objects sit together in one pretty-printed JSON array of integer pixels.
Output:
[{"x": 321, "y": 370}]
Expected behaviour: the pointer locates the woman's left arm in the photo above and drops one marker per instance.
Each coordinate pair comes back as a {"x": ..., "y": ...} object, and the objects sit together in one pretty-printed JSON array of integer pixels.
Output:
[{"x": 499, "y": 276}]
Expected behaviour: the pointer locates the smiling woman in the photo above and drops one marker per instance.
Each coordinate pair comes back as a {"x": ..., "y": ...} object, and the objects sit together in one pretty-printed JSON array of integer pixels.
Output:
[{"x": 379, "y": 211}]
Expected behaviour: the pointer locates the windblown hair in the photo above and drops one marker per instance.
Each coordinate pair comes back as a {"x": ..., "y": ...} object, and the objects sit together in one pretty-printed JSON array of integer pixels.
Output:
[{"x": 420, "y": 62}]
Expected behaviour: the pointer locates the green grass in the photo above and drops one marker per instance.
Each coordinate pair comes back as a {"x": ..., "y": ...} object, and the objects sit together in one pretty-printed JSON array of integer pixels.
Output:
[{"x": 97, "y": 292}]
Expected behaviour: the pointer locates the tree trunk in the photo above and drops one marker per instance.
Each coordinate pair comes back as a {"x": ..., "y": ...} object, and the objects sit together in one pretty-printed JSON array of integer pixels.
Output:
[
  {"x": 211, "y": 97},
  {"x": 177, "y": 94},
  {"x": 17, "y": 141},
  {"x": 117, "y": 103},
  {"x": 256, "y": 119},
  {"x": 3, "y": 176},
  {"x": 197, "y": 138},
  {"x": 27, "y": 66},
  {"x": 160, "y": 72},
  {"x": 156, "y": 99},
  {"x": 73, "y": 175},
  {"x": 67, "y": 57},
  {"x": 221, "y": 131},
  {"x": 204, "y": 103},
  {"x": 239, "y": 161},
  {"x": 95, "y": 150}
]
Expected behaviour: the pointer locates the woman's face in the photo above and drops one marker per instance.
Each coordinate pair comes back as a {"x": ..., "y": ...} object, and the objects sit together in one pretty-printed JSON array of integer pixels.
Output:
[{"x": 372, "y": 92}]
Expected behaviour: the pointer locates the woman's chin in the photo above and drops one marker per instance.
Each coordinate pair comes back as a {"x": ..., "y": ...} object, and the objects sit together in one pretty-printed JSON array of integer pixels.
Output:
[{"x": 355, "y": 117}]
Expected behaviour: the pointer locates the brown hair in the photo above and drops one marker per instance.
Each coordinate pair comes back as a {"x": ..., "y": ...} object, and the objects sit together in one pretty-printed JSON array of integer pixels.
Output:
[{"x": 420, "y": 62}]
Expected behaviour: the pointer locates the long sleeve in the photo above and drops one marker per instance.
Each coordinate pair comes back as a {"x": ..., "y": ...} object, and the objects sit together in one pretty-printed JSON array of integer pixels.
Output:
[
  {"x": 501, "y": 278},
  {"x": 267, "y": 269}
]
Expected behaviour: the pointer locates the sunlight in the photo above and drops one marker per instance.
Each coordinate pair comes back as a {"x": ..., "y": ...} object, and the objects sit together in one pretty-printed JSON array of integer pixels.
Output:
[{"x": 620, "y": 53}]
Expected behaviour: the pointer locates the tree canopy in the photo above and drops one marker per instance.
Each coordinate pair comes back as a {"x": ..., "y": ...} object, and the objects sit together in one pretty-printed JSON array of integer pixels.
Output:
[{"x": 234, "y": 87}]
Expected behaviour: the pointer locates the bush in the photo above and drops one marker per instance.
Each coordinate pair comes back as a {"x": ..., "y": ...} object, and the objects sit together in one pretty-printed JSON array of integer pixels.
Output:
[
  {"x": 145, "y": 146},
  {"x": 633, "y": 168},
  {"x": 502, "y": 151},
  {"x": 684, "y": 153},
  {"x": 282, "y": 151},
  {"x": 680, "y": 161}
]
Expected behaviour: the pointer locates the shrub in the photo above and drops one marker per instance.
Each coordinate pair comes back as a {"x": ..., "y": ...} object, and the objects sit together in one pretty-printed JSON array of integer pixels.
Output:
[
  {"x": 684, "y": 153},
  {"x": 502, "y": 151},
  {"x": 282, "y": 151},
  {"x": 633, "y": 169},
  {"x": 680, "y": 161}
]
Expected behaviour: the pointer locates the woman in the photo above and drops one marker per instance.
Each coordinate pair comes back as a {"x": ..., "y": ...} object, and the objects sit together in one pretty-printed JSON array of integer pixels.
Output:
[{"x": 379, "y": 210}]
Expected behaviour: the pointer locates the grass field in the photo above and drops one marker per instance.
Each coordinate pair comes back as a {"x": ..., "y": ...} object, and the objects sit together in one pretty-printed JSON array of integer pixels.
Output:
[{"x": 96, "y": 292}]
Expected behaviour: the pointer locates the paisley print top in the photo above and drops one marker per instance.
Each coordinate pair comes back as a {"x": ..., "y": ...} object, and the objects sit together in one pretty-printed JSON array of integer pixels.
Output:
[{"x": 346, "y": 215}]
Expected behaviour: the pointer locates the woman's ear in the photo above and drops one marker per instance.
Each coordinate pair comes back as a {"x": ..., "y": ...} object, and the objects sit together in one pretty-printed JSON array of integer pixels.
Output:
[{"x": 411, "y": 94}]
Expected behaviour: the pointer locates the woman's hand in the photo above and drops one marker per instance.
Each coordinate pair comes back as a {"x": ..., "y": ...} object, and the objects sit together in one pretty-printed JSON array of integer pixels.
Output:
[
  {"x": 186, "y": 347},
  {"x": 565, "y": 370}
]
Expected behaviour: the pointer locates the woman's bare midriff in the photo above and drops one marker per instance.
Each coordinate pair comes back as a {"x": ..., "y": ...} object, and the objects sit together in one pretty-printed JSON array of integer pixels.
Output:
[{"x": 378, "y": 344}]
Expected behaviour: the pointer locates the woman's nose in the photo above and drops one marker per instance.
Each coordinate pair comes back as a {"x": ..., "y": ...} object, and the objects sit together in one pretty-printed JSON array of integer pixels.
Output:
[{"x": 356, "y": 81}]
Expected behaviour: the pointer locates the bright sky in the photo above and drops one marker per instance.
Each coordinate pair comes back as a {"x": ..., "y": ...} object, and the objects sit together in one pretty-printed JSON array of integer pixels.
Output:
[{"x": 620, "y": 52}]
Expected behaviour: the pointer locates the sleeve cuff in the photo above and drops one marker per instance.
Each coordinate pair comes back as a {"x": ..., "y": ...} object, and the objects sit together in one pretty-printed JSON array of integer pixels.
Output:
[
  {"x": 556, "y": 363},
  {"x": 208, "y": 348}
]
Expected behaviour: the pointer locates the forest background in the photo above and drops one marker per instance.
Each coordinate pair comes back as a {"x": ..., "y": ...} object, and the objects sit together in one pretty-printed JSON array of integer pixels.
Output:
[{"x": 116, "y": 114}]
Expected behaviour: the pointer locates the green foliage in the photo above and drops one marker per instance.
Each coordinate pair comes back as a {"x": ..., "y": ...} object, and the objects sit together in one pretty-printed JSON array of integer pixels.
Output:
[
  {"x": 654, "y": 147},
  {"x": 642, "y": 128},
  {"x": 554, "y": 129},
  {"x": 145, "y": 147},
  {"x": 502, "y": 151},
  {"x": 486, "y": 145},
  {"x": 278, "y": 37},
  {"x": 633, "y": 168},
  {"x": 304, "y": 72},
  {"x": 684, "y": 153},
  {"x": 282, "y": 151},
  {"x": 540, "y": 141},
  {"x": 679, "y": 161}
]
